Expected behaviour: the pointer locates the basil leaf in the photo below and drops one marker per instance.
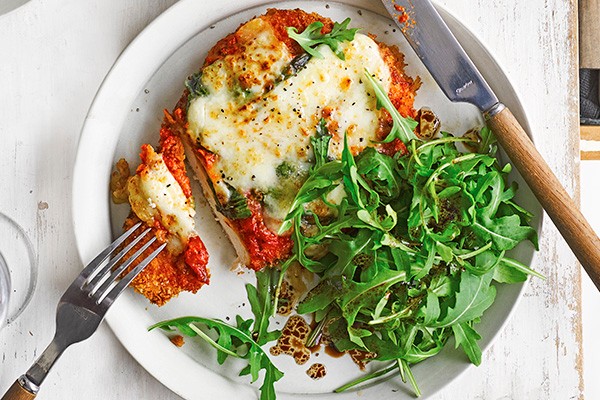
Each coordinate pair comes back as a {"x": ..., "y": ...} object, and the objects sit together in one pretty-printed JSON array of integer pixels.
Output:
[
  {"x": 285, "y": 170},
  {"x": 195, "y": 86},
  {"x": 237, "y": 206},
  {"x": 296, "y": 65}
]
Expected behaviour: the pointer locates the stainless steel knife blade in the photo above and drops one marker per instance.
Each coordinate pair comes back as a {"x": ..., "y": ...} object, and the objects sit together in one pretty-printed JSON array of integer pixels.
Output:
[
  {"x": 460, "y": 80},
  {"x": 450, "y": 66}
]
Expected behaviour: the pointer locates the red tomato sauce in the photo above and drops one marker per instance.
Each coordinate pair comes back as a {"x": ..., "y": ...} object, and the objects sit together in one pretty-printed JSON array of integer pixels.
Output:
[
  {"x": 279, "y": 20},
  {"x": 264, "y": 247},
  {"x": 393, "y": 147},
  {"x": 196, "y": 257},
  {"x": 172, "y": 149}
]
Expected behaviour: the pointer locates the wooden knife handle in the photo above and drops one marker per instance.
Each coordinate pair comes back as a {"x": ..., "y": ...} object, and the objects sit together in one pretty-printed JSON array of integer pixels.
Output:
[
  {"x": 18, "y": 392},
  {"x": 553, "y": 197}
]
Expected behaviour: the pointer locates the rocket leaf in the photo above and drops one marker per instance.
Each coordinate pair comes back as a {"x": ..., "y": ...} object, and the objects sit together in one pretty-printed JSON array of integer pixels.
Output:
[{"x": 312, "y": 37}]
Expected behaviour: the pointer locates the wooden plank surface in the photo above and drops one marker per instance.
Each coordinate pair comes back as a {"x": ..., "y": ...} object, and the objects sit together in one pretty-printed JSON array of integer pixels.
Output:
[
  {"x": 536, "y": 44},
  {"x": 590, "y": 132},
  {"x": 590, "y": 145},
  {"x": 56, "y": 53},
  {"x": 589, "y": 33},
  {"x": 590, "y": 155}
]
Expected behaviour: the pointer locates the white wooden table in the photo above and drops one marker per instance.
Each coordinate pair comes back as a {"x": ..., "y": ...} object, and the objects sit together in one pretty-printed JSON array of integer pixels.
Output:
[{"x": 55, "y": 53}]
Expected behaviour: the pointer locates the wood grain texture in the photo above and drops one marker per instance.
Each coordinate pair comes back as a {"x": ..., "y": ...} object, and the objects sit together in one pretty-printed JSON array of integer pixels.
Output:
[
  {"x": 55, "y": 55},
  {"x": 590, "y": 132},
  {"x": 544, "y": 70},
  {"x": 557, "y": 203},
  {"x": 16, "y": 392},
  {"x": 589, "y": 33},
  {"x": 590, "y": 155}
]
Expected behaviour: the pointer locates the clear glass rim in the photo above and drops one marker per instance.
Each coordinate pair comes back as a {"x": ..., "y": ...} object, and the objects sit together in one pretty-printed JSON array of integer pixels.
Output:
[
  {"x": 11, "y": 5},
  {"x": 4, "y": 290},
  {"x": 33, "y": 270}
]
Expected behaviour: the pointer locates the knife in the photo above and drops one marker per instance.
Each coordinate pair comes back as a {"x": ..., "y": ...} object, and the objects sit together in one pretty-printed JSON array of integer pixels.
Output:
[{"x": 460, "y": 80}]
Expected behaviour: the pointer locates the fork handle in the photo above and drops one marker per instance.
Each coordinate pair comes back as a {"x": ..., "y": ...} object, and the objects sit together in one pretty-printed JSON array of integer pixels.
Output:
[{"x": 20, "y": 391}]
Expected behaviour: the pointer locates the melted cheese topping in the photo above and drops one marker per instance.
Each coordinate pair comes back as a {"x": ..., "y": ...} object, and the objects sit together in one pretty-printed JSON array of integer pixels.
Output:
[
  {"x": 155, "y": 194},
  {"x": 253, "y": 134}
]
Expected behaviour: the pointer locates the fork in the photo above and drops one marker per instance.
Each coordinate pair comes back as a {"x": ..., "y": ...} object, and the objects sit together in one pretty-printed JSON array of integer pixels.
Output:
[{"x": 83, "y": 306}]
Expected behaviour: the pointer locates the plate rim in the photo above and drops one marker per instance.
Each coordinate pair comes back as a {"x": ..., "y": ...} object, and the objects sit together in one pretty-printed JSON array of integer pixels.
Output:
[{"x": 91, "y": 124}]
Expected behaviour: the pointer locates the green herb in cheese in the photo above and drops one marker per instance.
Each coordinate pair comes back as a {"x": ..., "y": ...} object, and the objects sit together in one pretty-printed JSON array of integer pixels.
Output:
[{"x": 252, "y": 136}]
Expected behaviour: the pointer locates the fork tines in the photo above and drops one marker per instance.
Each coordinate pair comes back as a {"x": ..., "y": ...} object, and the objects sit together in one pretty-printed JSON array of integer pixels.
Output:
[{"x": 100, "y": 277}]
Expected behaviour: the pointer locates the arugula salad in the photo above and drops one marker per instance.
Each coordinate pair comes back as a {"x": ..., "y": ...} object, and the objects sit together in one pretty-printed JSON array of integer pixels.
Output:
[{"x": 406, "y": 258}]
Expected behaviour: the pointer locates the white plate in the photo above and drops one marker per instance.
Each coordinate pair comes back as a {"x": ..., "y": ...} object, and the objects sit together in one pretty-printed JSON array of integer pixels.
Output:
[{"x": 127, "y": 111}]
